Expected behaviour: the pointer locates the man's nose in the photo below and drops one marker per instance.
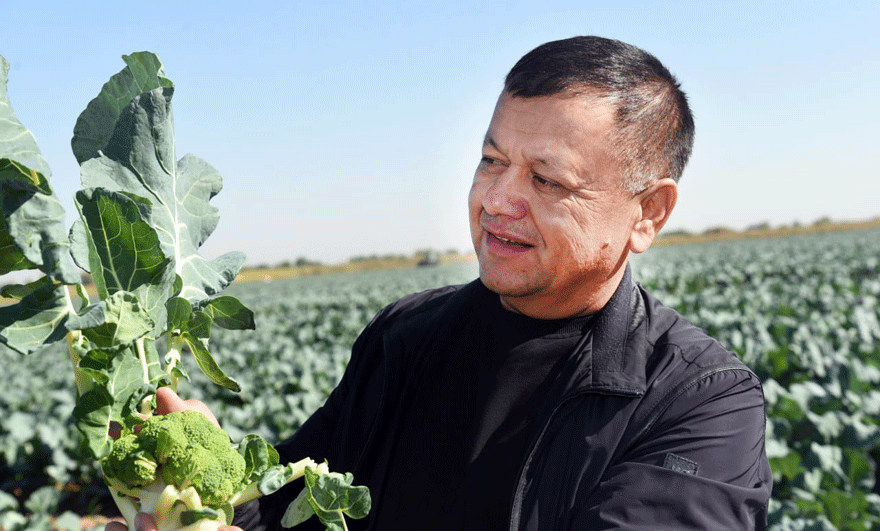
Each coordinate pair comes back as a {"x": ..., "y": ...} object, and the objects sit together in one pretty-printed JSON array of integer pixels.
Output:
[{"x": 505, "y": 197}]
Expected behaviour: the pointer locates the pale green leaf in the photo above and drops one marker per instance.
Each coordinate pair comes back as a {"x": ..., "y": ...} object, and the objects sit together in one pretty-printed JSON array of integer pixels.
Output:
[
  {"x": 117, "y": 321},
  {"x": 94, "y": 127},
  {"x": 17, "y": 143},
  {"x": 36, "y": 320},
  {"x": 332, "y": 495},
  {"x": 68, "y": 521},
  {"x": 192, "y": 516},
  {"x": 79, "y": 245},
  {"x": 298, "y": 511},
  {"x": 44, "y": 500},
  {"x": 93, "y": 413},
  {"x": 32, "y": 231},
  {"x": 258, "y": 456},
  {"x": 140, "y": 160},
  {"x": 275, "y": 477}
]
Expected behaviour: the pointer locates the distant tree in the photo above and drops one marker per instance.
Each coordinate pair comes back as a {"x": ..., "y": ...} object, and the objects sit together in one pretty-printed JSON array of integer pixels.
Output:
[
  {"x": 676, "y": 232},
  {"x": 429, "y": 258},
  {"x": 303, "y": 261},
  {"x": 764, "y": 225}
]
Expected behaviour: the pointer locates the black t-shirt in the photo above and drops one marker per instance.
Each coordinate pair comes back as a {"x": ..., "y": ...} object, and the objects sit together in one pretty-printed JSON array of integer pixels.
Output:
[{"x": 468, "y": 429}]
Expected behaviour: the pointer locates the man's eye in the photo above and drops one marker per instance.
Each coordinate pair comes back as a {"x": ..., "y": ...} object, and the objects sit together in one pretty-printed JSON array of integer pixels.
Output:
[
  {"x": 544, "y": 183},
  {"x": 490, "y": 164}
]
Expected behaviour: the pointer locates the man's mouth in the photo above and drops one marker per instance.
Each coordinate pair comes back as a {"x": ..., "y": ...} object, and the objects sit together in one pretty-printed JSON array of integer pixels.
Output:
[{"x": 509, "y": 242}]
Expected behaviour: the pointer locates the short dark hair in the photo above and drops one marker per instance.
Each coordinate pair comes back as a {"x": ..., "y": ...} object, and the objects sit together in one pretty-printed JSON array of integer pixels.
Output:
[{"x": 655, "y": 128}]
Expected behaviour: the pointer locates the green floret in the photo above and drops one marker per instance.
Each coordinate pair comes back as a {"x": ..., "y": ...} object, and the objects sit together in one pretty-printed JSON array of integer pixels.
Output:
[
  {"x": 129, "y": 462},
  {"x": 187, "y": 449},
  {"x": 203, "y": 471}
]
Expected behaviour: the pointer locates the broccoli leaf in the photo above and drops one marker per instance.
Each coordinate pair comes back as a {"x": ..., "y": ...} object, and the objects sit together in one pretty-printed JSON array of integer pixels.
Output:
[
  {"x": 123, "y": 250},
  {"x": 179, "y": 312},
  {"x": 38, "y": 319},
  {"x": 16, "y": 142},
  {"x": 194, "y": 515},
  {"x": 229, "y": 313},
  {"x": 117, "y": 321},
  {"x": 332, "y": 495},
  {"x": 94, "y": 127},
  {"x": 298, "y": 511},
  {"x": 196, "y": 335},
  {"x": 258, "y": 455},
  {"x": 116, "y": 397},
  {"x": 139, "y": 158},
  {"x": 32, "y": 232}
]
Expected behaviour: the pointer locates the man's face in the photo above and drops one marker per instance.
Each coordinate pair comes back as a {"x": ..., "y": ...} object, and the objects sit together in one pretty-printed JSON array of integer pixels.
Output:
[{"x": 550, "y": 221}]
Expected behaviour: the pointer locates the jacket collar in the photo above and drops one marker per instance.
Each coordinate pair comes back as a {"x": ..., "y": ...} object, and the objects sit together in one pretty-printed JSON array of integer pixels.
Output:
[{"x": 610, "y": 358}]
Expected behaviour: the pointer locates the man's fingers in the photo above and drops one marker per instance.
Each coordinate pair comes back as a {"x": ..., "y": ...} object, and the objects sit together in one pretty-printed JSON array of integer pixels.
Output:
[
  {"x": 168, "y": 401},
  {"x": 115, "y": 526}
]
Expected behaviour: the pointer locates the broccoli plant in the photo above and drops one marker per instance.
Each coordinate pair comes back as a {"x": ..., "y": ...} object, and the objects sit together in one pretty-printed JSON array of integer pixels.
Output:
[{"x": 143, "y": 215}]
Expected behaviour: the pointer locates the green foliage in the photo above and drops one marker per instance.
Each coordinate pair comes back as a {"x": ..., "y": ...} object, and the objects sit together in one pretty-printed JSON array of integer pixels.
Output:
[{"x": 332, "y": 497}]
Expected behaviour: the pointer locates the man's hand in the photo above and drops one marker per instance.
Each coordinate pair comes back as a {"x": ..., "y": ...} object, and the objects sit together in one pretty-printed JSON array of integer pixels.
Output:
[
  {"x": 168, "y": 401},
  {"x": 143, "y": 522}
]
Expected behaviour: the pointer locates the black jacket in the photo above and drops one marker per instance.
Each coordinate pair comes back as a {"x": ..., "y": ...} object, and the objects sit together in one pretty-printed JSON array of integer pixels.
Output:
[{"x": 651, "y": 425}]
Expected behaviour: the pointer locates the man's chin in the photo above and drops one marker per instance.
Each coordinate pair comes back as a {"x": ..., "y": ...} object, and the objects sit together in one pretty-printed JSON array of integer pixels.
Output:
[{"x": 505, "y": 286}]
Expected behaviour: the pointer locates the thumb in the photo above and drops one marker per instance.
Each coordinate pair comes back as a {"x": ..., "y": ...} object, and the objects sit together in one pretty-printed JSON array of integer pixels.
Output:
[{"x": 168, "y": 401}]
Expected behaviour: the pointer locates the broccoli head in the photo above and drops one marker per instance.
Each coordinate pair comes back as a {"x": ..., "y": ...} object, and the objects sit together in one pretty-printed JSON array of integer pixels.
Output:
[
  {"x": 184, "y": 471},
  {"x": 185, "y": 449}
]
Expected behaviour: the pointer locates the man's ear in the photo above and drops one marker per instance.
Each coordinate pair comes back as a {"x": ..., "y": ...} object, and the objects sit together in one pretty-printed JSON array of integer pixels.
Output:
[{"x": 656, "y": 203}]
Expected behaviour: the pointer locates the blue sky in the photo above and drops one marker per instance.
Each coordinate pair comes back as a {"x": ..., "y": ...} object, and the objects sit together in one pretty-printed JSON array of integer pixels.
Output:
[{"x": 346, "y": 128}]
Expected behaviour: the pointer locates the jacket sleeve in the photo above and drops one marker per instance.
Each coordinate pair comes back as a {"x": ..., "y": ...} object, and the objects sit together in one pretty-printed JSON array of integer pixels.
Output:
[{"x": 697, "y": 462}]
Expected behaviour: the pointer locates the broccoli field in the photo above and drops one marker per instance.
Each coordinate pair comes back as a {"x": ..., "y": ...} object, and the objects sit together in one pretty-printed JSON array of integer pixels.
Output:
[{"x": 802, "y": 311}]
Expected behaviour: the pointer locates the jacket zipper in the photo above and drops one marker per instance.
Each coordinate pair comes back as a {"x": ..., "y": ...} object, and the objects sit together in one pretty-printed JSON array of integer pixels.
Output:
[{"x": 516, "y": 503}]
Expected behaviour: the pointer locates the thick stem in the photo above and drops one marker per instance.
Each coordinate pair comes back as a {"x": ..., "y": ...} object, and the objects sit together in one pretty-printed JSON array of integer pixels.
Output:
[
  {"x": 126, "y": 508},
  {"x": 142, "y": 356},
  {"x": 146, "y": 403},
  {"x": 297, "y": 470},
  {"x": 163, "y": 502}
]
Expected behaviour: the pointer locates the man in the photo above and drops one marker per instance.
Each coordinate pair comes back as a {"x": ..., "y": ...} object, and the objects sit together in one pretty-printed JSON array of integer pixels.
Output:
[{"x": 553, "y": 393}]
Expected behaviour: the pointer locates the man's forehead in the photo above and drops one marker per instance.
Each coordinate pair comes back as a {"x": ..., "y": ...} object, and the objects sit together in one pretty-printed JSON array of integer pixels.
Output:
[{"x": 564, "y": 116}]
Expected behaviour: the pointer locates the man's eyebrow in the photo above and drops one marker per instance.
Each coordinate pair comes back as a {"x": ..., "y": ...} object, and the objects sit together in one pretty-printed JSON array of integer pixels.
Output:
[
  {"x": 489, "y": 141},
  {"x": 542, "y": 159}
]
